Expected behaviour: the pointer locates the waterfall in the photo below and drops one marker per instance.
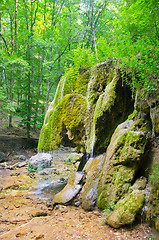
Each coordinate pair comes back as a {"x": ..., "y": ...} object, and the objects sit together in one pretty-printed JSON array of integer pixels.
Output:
[
  {"x": 90, "y": 124},
  {"x": 62, "y": 87}
]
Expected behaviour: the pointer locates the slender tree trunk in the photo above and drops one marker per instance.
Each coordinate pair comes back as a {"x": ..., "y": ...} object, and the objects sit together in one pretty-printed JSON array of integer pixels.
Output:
[
  {"x": 49, "y": 82},
  {"x": 15, "y": 28},
  {"x": 50, "y": 59},
  {"x": 1, "y": 69},
  {"x": 95, "y": 44},
  {"x": 11, "y": 87},
  {"x": 38, "y": 91}
]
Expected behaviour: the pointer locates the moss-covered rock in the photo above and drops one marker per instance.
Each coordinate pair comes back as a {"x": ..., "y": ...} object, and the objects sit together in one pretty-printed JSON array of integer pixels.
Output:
[
  {"x": 87, "y": 107},
  {"x": 122, "y": 160},
  {"x": 65, "y": 124},
  {"x": 125, "y": 211},
  {"x": 74, "y": 157},
  {"x": 89, "y": 192}
]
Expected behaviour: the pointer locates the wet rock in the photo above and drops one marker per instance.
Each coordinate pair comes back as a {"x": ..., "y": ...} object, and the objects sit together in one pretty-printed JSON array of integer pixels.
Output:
[
  {"x": 40, "y": 161},
  {"x": 73, "y": 187},
  {"x": 89, "y": 192},
  {"x": 125, "y": 211},
  {"x": 74, "y": 157}
]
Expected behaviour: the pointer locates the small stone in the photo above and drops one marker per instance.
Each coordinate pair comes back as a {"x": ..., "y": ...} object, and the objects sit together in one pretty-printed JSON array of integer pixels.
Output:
[
  {"x": 20, "y": 234},
  {"x": 40, "y": 236},
  {"x": 38, "y": 213}
]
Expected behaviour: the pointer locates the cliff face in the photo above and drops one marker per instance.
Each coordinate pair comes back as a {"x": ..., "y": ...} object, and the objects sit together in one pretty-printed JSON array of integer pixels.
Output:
[
  {"x": 91, "y": 111},
  {"x": 87, "y": 108}
]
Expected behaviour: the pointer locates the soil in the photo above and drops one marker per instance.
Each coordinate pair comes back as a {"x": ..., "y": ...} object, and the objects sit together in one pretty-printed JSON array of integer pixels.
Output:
[{"x": 23, "y": 216}]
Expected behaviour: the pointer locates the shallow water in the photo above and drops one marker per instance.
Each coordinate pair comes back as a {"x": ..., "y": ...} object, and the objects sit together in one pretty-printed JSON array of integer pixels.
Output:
[{"x": 46, "y": 189}]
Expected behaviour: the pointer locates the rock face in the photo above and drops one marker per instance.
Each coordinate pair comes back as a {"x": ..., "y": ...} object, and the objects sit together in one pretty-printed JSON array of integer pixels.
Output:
[
  {"x": 122, "y": 160},
  {"x": 87, "y": 108},
  {"x": 89, "y": 192}
]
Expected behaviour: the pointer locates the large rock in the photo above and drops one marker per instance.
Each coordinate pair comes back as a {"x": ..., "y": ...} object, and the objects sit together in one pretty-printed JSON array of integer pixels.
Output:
[
  {"x": 87, "y": 108},
  {"x": 122, "y": 161},
  {"x": 125, "y": 211},
  {"x": 69, "y": 192},
  {"x": 40, "y": 161},
  {"x": 89, "y": 192}
]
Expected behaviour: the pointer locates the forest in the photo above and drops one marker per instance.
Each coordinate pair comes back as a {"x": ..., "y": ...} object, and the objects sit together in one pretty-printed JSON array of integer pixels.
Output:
[{"x": 40, "y": 40}]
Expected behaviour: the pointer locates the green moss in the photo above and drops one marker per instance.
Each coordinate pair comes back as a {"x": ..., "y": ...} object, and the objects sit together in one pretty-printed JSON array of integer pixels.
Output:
[
  {"x": 133, "y": 115},
  {"x": 154, "y": 177},
  {"x": 126, "y": 210},
  {"x": 81, "y": 83},
  {"x": 101, "y": 202},
  {"x": 133, "y": 202},
  {"x": 106, "y": 100},
  {"x": 123, "y": 155},
  {"x": 44, "y": 139},
  {"x": 70, "y": 81},
  {"x": 123, "y": 175},
  {"x": 69, "y": 113}
]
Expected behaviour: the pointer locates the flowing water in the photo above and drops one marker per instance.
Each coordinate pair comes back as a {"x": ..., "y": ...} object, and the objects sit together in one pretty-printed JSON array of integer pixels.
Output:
[{"x": 52, "y": 180}]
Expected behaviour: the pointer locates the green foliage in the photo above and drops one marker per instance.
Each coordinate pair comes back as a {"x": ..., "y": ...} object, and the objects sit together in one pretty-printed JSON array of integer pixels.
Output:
[
  {"x": 108, "y": 209},
  {"x": 30, "y": 168},
  {"x": 83, "y": 57}
]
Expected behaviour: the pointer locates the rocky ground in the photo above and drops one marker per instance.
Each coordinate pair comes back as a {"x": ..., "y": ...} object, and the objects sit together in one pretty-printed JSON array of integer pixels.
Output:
[{"x": 23, "y": 216}]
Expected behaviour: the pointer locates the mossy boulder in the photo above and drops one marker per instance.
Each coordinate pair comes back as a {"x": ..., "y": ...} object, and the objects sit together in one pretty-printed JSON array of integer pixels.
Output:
[
  {"x": 74, "y": 157},
  {"x": 89, "y": 192},
  {"x": 126, "y": 210},
  {"x": 122, "y": 161},
  {"x": 74, "y": 185},
  {"x": 87, "y": 107}
]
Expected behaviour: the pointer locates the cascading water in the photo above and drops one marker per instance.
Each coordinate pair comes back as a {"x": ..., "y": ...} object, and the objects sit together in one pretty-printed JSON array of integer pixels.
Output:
[{"x": 90, "y": 125}]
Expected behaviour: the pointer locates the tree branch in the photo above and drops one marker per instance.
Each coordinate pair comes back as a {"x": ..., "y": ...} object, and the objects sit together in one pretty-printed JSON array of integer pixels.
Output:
[
  {"x": 35, "y": 13},
  {"x": 5, "y": 44}
]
